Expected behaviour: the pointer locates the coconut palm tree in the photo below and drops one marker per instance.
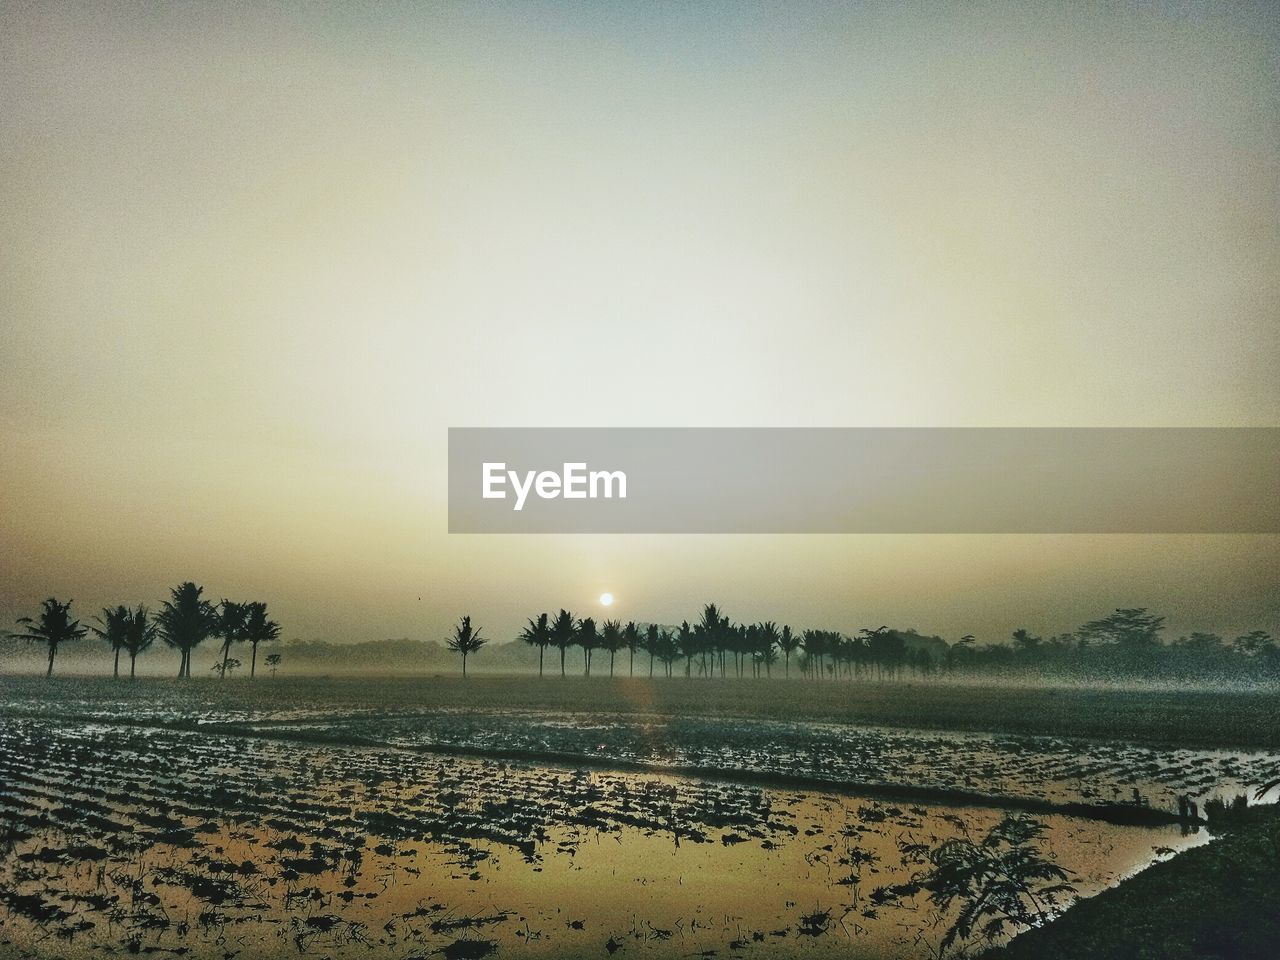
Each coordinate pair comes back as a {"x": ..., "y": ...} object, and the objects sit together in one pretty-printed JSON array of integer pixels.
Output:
[
  {"x": 258, "y": 629},
  {"x": 588, "y": 640},
  {"x": 687, "y": 646},
  {"x": 611, "y": 640},
  {"x": 564, "y": 634},
  {"x": 788, "y": 643},
  {"x": 766, "y": 648},
  {"x": 140, "y": 632},
  {"x": 668, "y": 650},
  {"x": 186, "y": 620},
  {"x": 711, "y": 632},
  {"x": 651, "y": 640},
  {"x": 54, "y": 626},
  {"x": 538, "y": 634},
  {"x": 111, "y": 628},
  {"x": 465, "y": 641},
  {"x": 231, "y": 625},
  {"x": 632, "y": 640}
]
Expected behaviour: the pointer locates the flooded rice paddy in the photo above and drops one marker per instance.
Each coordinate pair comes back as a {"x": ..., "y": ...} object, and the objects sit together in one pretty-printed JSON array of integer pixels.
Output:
[{"x": 461, "y": 835}]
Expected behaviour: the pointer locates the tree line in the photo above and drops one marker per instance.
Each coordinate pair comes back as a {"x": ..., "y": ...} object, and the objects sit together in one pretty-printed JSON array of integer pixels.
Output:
[
  {"x": 714, "y": 645},
  {"x": 1126, "y": 643},
  {"x": 183, "y": 622}
]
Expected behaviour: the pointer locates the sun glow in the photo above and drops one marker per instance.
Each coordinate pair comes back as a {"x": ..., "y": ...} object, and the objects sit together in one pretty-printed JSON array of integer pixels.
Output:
[{"x": 606, "y": 599}]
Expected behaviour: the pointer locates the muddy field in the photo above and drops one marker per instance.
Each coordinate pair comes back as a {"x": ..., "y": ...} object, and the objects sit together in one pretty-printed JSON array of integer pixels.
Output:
[{"x": 219, "y": 830}]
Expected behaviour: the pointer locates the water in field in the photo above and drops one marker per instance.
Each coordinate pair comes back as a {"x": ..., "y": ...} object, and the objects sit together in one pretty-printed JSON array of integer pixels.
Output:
[{"x": 210, "y": 844}]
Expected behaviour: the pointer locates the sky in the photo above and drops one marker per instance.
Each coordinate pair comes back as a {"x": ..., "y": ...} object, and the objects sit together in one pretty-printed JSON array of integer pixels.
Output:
[{"x": 258, "y": 259}]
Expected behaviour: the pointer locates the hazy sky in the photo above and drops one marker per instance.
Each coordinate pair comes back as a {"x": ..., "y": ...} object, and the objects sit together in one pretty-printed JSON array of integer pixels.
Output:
[{"x": 257, "y": 259}]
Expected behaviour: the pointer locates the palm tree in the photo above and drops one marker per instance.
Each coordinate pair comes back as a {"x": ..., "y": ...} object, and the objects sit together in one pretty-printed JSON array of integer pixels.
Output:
[
  {"x": 814, "y": 643},
  {"x": 140, "y": 633},
  {"x": 766, "y": 651},
  {"x": 588, "y": 640},
  {"x": 465, "y": 641},
  {"x": 111, "y": 628},
  {"x": 53, "y": 627},
  {"x": 788, "y": 643},
  {"x": 273, "y": 661},
  {"x": 687, "y": 646},
  {"x": 231, "y": 626},
  {"x": 711, "y": 632},
  {"x": 537, "y": 634},
  {"x": 186, "y": 621},
  {"x": 668, "y": 650},
  {"x": 258, "y": 629},
  {"x": 651, "y": 640},
  {"x": 564, "y": 633},
  {"x": 632, "y": 640},
  {"x": 611, "y": 640}
]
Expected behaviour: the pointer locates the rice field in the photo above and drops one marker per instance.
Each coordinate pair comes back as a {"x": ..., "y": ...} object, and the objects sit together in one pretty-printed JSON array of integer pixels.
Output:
[{"x": 221, "y": 829}]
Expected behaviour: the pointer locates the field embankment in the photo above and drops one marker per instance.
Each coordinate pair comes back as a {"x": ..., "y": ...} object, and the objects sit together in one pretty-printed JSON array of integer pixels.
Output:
[{"x": 1213, "y": 902}]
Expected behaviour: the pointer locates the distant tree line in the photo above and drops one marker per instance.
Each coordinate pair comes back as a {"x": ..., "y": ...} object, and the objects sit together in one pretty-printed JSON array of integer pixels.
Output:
[
  {"x": 1123, "y": 645},
  {"x": 182, "y": 623}
]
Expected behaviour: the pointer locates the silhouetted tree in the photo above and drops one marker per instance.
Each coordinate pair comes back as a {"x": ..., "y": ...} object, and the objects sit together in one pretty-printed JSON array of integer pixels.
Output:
[
  {"x": 139, "y": 633},
  {"x": 564, "y": 634},
  {"x": 588, "y": 640},
  {"x": 225, "y": 666},
  {"x": 538, "y": 634},
  {"x": 1127, "y": 627},
  {"x": 611, "y": 640},
  {"x": 652, "y": 639},
  {"x": 668, "y": 650},
  {"x": 788, "y": 643},
  {"x": 186, "y": 620},
  {"x": 231, "y": 622},
  {"x": 53, "y": 627},
  {"x": 273, "y": 661},
  {"x": 1201, "y": 642},
  {"x": 1256, "y": 643},
  {"x": 1024, "y": 641},
  {"x": 710, "y": 633},
  {"x": 465, "y": 641},
  {"x": 631, "y": 640},
  {"x": 258, "y": 629},
  {"x": 687, "y": 646},
  {"x": 111, "y": 628},
  {"x": 130, "y": 631}
]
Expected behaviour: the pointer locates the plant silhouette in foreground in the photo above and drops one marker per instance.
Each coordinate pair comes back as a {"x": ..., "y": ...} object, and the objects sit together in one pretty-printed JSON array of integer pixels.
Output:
[
  {"x": 54, "y": 626},
  {"x": 465, "y": 641},
  {"x": 1000, "y": 882}
]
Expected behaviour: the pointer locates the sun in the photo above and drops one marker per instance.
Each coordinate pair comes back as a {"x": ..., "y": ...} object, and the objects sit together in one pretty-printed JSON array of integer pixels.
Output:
[{"x": 606, "y": 599}]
